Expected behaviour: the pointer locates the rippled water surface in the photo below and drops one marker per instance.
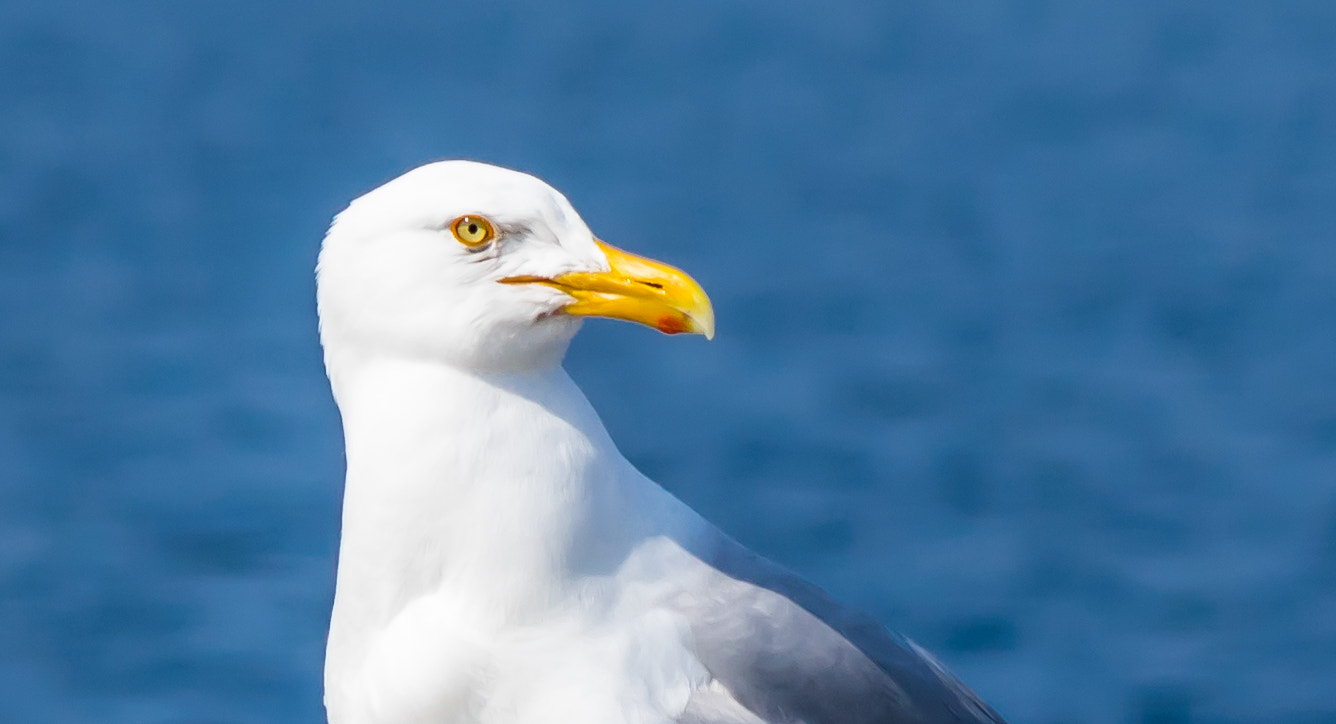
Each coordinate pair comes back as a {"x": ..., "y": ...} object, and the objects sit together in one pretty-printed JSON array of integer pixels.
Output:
[{"x": 1027, "y": 324}]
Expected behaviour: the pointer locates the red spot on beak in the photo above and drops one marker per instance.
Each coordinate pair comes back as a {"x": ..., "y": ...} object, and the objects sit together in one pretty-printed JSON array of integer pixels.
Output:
[{"x": 672, "y": 325}]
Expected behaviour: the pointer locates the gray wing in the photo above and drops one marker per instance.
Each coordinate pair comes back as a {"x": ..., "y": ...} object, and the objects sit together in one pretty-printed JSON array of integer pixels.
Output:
[{"x": 790, "y": 654}]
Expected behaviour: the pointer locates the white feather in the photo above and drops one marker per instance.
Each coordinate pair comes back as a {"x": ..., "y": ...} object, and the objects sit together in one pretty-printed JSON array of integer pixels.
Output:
[
  {"x": 501, "y": 562},
  {"x": 487, "y": 515}
]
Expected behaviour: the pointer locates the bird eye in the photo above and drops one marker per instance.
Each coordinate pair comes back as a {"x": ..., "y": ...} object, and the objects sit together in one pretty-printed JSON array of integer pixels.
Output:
[{"x": 473, "y": 231}]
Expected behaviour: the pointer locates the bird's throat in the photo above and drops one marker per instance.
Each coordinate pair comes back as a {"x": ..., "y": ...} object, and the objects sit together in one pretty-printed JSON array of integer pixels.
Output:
[{"x": 446, "y": 486}]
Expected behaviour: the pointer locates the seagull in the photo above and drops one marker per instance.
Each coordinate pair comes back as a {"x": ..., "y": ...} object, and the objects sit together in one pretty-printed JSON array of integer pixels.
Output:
[{"x": 500, "y": 561}]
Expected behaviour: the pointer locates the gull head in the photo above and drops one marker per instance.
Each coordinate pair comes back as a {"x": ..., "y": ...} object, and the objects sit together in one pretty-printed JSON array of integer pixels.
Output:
[{"x": 484, "y": 268}]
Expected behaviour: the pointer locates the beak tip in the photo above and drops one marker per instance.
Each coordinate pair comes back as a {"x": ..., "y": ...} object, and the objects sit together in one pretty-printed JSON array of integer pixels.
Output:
[
  {"x": 700, "y": 319},
  {"x": 708, "y": 330}
]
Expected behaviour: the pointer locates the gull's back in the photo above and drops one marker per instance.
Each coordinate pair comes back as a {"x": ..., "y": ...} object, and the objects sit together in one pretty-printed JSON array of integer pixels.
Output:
[{"x": 786, "y": 652}]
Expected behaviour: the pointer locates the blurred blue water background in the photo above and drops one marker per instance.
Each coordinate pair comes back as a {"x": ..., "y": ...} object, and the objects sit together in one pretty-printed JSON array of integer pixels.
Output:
[{"x": 1027, "y": 323}]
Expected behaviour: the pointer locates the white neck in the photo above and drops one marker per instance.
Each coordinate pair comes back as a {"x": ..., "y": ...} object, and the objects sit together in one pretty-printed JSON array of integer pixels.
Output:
[{"x": 446, "y": 489}]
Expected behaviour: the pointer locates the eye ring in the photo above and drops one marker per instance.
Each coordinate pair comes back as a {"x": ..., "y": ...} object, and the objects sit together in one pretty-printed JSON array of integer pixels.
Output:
[{"x": 473, "y": 231}]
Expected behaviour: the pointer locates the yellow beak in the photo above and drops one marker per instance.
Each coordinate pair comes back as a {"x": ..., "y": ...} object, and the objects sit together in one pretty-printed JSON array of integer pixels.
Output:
[{"x": 635, "y": 289}]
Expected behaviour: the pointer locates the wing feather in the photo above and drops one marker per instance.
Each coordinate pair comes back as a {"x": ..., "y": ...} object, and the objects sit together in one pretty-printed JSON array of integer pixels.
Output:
[{"x": 788, "y": 653}]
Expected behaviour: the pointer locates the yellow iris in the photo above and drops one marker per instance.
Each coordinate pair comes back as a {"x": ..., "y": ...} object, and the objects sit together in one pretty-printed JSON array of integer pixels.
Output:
[{"x": 473, "y": 231}]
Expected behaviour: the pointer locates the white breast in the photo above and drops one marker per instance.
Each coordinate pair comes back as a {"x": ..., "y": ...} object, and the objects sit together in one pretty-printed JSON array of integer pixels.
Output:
[{"x": 481, "y": 580}]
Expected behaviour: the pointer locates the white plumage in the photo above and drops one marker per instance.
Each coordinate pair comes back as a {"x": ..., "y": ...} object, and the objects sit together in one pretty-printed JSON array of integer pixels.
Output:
[{"x": 500, "y": 561}]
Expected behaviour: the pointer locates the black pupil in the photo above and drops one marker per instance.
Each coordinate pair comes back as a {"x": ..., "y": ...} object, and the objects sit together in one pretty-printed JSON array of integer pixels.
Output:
[{"x": 473, "y": 228}]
